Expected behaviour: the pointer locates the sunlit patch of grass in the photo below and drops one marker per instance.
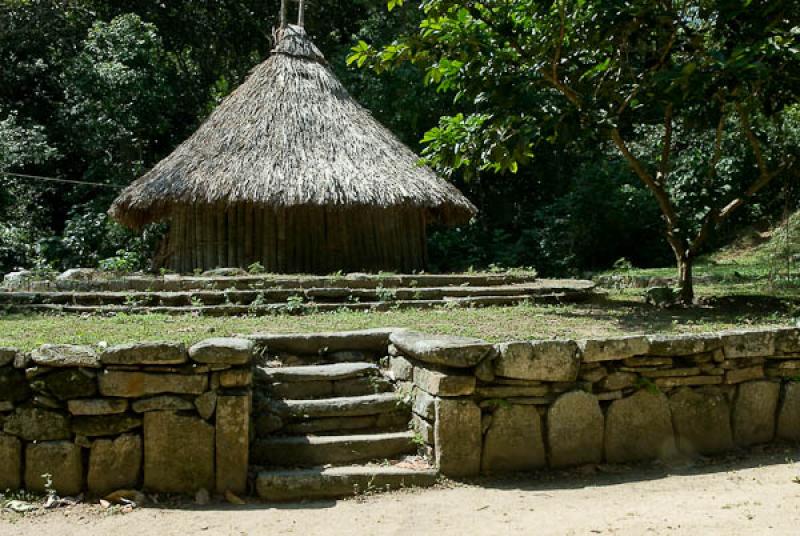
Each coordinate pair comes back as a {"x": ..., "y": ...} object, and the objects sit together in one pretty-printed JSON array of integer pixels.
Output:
[{"x": 622, "y": 313}]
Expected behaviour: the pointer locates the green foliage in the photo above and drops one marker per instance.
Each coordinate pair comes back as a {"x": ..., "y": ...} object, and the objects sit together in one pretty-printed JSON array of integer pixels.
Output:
[{"x": 529, "y": 74}]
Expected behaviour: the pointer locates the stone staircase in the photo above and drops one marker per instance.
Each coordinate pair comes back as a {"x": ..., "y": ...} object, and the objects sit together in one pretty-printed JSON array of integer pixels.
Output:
[
  {"x": 332, "y": 429},
  {"x": 265, "y": 295}
]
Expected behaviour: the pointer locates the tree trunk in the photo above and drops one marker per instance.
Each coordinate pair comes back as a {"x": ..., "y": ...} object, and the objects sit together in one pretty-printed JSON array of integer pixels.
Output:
[{"x": 685, "y": 280}]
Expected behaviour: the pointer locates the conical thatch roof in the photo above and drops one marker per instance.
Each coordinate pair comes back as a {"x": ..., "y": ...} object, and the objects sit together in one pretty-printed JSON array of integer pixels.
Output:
[{"x": 289, "y": 136}]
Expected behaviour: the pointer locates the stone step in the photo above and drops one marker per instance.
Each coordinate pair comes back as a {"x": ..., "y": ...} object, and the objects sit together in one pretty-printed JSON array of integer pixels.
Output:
[
  {"x": 300, "y": 308},
  {"x": 338, "y": 482},
  {"x": 346, "y": 406},
  {"x": 267, "y": 296},
  {"x": 334, "y": 372},
  {"x": 311, "y": 450},
  {"x": 308, "y": 390},
  {"x": 384, "y": 422},
  {"x": 176, "y": 283}
]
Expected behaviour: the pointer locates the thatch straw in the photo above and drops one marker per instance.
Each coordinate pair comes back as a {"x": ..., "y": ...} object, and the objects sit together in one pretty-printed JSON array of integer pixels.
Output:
[{"x": 290, "y": 136}]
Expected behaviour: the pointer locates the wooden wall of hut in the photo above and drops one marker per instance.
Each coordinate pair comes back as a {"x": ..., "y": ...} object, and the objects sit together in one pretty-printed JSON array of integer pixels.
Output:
[{"x": 314, "y": 240}]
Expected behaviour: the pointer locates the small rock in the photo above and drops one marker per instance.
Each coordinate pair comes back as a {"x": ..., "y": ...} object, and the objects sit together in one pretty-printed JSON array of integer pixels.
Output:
[
  {"x": 660, "y": 296},
  {"x": 7, "y": 355},
  {"x": 36, "y": 424},
  {"x": 206, "y": 404},
  {"x": 78, "y": 274},
  {"x": 151, "y": 353},
  {"x": 223, "y": 351},
  {"x": 162, "y": 403},
  {"x": 72, "y": 383},
  {"x": 458, "y": 352},
  {"x": 65, "y": 356},
  {"x": 202, "y": 497},
  {"x": 97, "y": 406}
]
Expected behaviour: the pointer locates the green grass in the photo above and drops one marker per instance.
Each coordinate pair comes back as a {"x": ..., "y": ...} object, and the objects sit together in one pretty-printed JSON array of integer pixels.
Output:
[
  {"x": 764, "y": 264},
  {"x": 622, "y": 314}
]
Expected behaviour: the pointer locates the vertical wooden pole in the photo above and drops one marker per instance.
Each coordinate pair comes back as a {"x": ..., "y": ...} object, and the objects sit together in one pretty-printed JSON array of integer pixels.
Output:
[
  {"x": 249, "y": 232},
  {"x": 301, "y": 14},
  {"x": 240, "y": 236},
  {"x": 230, "y": 218},
  {"x": 284, "y": 14},
  {"x": 222, "y": 252}
]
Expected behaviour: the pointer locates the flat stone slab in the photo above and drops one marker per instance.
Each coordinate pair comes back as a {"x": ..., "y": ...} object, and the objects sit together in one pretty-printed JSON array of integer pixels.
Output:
[
  {"x": 350, "y": 406},
  {"x": 310, "y": 450},
  {"x": 151, "y": 353},
  {"x": 178, "y": 453},
  {"x": 232, "y": 443},
  {"x": 66, "y": 355},
  {"x": 13, "y": 385},
  {"x": 72, "y": 383},
  {"x": 223, "y": 351},
  {"x": 105, "y": 425},
  {"x": 443, "y": 384},
  {"x": 7, "y": 355},
  {"x": 575, "y": 426},
  {"x": 114, "y": 464},
  {"x": 37, "y": 424},
  {"x": 458, "y": 437},
  {"x": 373, "y": 340},
  {"x": 552, "y": 361},
  {"x": 162, "y": 403},
  {"x": 754, "y": 412},
  {"x": 338, "y": 371},
  {"x": 513, "y": 441},
  {"x": 62, "y": 460},
  {"x": 10, "y": 462},
  {"x": 702, "y": 420},
  {"x": 336, "y": 482},
  {"x": 639, "y": 428},
  {"x": 458, "y": 352},
  {"x": 748, "y": 343},
  {"x": 97, "y": 406},
  {"x": 611, "y": 349},
  {"x": 125, "y": 384},
  {"x": 789, "y": 414},
  {"x": 683, "y": 345}
]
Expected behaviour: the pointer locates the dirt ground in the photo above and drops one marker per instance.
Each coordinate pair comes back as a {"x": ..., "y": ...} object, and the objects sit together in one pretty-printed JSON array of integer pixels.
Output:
[{"x": 756, "y": 494}]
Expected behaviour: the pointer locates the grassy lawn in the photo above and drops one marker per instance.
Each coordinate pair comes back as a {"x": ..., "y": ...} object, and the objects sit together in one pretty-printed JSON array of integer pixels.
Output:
[{"x": 622, "y": 314}]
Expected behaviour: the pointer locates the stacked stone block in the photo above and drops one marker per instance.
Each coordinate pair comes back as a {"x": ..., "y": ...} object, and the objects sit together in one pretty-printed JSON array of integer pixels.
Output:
[
  {"x": 151, "y": 415},
  {"x": 526, "y": 405}
]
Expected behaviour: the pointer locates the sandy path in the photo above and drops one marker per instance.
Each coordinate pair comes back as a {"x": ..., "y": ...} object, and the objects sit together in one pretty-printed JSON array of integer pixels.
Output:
[{"x": 755, "y": 496}]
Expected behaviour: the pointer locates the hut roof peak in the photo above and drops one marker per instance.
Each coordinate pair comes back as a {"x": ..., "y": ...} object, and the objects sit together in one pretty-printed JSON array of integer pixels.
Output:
[{"x": 294, "y": 41}]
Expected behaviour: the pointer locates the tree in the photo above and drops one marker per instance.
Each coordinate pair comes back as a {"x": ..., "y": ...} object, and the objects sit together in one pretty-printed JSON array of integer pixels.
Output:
[{"x": 614, "y": 72}]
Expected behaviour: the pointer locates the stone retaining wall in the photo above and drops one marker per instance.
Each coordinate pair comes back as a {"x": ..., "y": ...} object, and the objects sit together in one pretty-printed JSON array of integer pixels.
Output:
[
  {"x": 527, "y": 405},
  {"x": 155, "y": 416},
  {"x": 160, "y": 417}
]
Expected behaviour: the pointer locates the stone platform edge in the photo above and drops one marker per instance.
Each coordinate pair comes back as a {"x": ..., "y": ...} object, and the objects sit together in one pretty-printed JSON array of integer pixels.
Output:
[{"x": 172, "y": 419}]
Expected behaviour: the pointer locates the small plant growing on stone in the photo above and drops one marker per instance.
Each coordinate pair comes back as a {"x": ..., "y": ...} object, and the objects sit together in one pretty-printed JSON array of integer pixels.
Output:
[
  {"x": 256, "y": 268},
  {"x": 48, "y": 485},
  {"x": 294, "y": 304},
  {"x": 196, "y": 301},
  {"x": 647, "y": 383},
  {"x": 131, "y": 301},
  {"x": 386, "y": 294},
  {"x": 259, "y": 301}
]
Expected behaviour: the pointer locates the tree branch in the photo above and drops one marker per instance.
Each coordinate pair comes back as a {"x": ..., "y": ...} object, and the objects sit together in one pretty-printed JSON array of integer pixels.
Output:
[
  {"x": 660, "y": 194},
  {"x": 661, "y": 61},
  {"x": 663, "y": 169}
]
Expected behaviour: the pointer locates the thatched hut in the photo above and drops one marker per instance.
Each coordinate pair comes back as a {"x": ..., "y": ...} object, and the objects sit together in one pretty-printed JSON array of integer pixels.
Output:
[{"x": 289, "y": 171}]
